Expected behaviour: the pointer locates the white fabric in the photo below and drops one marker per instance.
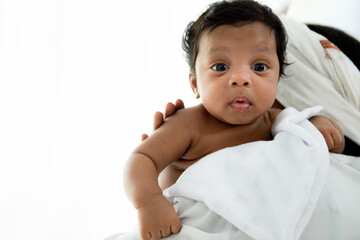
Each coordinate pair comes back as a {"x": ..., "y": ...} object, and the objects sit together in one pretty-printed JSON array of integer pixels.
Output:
[
  {"x": 336, "y": 215},
  {"x": 314, "y": 79},
  {"x": 260, "y": 190},
  {"x": 267, "y": 189}
]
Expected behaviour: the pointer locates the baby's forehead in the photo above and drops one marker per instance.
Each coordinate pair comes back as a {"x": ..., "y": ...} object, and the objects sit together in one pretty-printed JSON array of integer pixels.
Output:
[
  {"x": 223, "y": 29},
  {"x": 255, "y": 33}
]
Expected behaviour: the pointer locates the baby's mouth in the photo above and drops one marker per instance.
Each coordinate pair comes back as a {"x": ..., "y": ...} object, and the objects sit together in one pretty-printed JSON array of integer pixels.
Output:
[{"x": 241, "y": 104}]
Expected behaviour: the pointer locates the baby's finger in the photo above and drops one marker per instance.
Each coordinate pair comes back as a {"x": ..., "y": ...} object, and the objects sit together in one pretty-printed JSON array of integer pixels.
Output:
[
  {"x": 155, "y": 235},
  {"x": 328, "y": 139},
  {"x": 165, "y": 232},
  {"x": 337, "y": 138},
  {"x": 176, "y": 227},
  {"x": 145, "y": 235}
]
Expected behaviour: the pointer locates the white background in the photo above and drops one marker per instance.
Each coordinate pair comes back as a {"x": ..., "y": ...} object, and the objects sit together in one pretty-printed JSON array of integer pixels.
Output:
[{"x": 79, "y": 82}]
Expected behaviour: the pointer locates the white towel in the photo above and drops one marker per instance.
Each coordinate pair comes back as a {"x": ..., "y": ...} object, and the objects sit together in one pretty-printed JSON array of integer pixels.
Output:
[
  {"x": 320, "y": 76},
  {"x": 267, "y": 189}
]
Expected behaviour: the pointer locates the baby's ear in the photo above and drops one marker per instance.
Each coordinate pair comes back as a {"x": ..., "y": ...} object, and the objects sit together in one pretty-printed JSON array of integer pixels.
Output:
[{"x": 193, "y": 84}]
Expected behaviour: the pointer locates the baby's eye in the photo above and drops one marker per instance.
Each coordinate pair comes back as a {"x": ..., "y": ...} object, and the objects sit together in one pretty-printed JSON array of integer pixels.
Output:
[
  {"x": 220, "y": 67},
  {"x": 259, "y": 67}
]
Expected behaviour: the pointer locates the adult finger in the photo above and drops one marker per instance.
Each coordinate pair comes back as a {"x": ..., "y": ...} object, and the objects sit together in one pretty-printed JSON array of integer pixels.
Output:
[
  {"x": 144, "y": 136},
  {"x": 158, "y": 120},
  {"x": 179, "y": 104},
  {"x": 170, "y": 109}
]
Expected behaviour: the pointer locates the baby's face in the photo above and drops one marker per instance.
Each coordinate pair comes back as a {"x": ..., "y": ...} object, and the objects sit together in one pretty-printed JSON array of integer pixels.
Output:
[{"x": 237, "y": 71}]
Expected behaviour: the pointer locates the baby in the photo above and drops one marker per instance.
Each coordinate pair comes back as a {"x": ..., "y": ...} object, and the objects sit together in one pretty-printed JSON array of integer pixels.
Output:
[{"x": 236, "y": 53}]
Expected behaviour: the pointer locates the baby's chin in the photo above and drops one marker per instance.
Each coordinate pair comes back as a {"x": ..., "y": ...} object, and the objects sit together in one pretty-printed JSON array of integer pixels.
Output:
[
  {"x": 233, "y": 116},
  {"x": 237, "y": 121}
]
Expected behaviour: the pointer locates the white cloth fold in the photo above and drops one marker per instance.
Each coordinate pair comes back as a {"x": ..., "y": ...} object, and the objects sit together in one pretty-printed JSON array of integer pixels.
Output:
[
  {"x": 266, "y": 189},
  {"x": 320, "y": 76},
  {"x": 336, "y": 215}
]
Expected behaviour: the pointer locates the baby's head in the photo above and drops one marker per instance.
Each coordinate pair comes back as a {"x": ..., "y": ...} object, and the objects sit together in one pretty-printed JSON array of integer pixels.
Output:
[
  {"x": 236, "y": 53},
  {"x": 233, "y": 13}
]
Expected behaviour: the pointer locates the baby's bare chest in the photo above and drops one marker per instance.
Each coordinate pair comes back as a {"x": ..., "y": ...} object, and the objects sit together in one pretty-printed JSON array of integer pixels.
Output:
[{"x": 210, "y": 141}]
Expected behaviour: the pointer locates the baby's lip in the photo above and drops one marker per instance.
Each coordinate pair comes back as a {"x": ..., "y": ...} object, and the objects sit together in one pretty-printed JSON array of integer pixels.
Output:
[{"x": 240, "y": 103}]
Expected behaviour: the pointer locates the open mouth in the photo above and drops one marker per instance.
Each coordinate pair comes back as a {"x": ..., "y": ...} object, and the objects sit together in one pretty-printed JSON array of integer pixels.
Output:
[{"x": 241, "y": 104}]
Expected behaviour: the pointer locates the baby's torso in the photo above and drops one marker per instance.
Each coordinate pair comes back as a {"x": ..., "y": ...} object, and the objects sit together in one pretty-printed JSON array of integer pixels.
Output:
[
  {"x": 211, "y": 138},
  {"x": 212, "y": 135}
]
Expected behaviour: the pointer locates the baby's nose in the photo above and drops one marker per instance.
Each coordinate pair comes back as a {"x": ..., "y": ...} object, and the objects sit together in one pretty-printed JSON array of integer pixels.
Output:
[{"x": 241, "y": 78}]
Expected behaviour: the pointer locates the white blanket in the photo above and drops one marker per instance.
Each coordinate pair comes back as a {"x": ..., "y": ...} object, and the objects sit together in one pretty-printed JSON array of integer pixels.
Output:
[
  {"x": 267, "y": 189},
  {"x": 336, "y": 215}
]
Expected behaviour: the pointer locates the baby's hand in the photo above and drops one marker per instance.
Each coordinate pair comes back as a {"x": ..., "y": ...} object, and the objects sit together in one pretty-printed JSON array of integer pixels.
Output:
[
  {"x": 158, "y": 219},
  {"x": 331, "y": 132}
]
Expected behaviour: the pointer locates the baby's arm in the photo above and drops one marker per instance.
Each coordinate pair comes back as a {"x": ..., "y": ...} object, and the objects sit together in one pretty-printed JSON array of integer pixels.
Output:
[
  {"x": 331, "y": 132},
  {"x": 157, "y": 217}
]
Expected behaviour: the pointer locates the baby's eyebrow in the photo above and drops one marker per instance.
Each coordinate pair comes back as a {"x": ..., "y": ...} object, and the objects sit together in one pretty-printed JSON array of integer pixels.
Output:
[
  {"x": 263, "y": 49},
  {"x": 219, "y": 49}
]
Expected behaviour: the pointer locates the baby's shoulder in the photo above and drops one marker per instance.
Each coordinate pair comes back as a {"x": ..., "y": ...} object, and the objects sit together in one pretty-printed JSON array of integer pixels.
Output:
[
  {"x": 191, "y": 112},
  {"x": 190, "y": 116}
]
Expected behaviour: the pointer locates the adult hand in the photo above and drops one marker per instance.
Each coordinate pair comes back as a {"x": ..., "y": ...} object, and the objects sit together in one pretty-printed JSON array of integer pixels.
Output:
[{"x": 170, "y": 109}]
